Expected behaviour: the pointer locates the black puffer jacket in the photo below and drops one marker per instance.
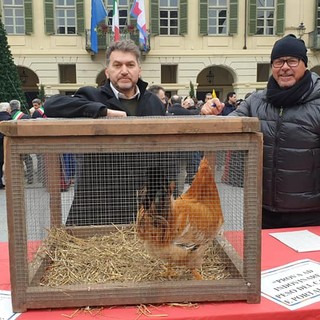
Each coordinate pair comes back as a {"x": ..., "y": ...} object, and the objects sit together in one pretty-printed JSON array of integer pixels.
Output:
[{"x": 291, "y": 160}]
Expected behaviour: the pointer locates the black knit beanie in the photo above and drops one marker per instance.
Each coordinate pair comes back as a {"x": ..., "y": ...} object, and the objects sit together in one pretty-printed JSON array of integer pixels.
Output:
[{"x": 290, "y": 46}]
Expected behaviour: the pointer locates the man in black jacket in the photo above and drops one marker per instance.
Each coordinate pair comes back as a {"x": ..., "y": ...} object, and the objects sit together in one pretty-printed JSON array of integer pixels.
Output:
[
  {"x": 230, "y": 103},
  {"x": 106, "y": 184}
]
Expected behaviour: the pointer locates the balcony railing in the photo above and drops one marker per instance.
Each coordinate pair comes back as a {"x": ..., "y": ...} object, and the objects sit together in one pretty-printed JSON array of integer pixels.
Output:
[
  {"x": 314, "y": 40},
  {"x": 105, "y": 39}
]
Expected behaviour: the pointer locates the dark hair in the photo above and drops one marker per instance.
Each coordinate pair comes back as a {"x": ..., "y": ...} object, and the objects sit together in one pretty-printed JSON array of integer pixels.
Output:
[
  {"x": 124, "y": 46},
  {"x": 248, "y": 94},
  {"x": 156, "y": 88},
  {"x": 230, "y": 94}
]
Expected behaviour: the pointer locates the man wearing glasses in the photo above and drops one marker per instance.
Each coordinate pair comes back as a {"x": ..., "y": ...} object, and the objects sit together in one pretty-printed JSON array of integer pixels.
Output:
[{"x": 289, "y": 111}]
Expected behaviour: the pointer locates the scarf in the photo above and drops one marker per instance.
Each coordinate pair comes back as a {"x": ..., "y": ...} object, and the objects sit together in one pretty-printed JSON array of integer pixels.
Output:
[{"x": 287, "y": 97}]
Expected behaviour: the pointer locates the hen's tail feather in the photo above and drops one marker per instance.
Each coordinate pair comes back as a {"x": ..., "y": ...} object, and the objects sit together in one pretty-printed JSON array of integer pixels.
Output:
[
  {"x": 154, "y": 181},
  {"x": 156, "y": 195}
]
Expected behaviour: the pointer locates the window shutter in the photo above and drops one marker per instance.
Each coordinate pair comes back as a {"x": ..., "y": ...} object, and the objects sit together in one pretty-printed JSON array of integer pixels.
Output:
[
  {"x": 80, "y": 16},
  {"x": 316, "y": 17},
  {"x": 183, "y": 8},
  {"x": 252, "y": 17},
  {"x": 203, "y": 10},
  {"x": 280, "y": 17},
  {"x": 154, "y": 17},
  {"x": 233, "y": 17},
  {"x": 49, "y": 16},
  {"x": 28, "y": 16}
]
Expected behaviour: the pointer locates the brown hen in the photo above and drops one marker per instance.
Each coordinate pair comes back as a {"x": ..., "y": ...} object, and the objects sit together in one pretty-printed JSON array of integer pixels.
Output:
[{"x": 179, "y": 231}]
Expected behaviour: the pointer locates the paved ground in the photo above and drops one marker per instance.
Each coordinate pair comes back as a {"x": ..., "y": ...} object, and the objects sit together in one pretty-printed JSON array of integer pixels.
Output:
[{"x": 3, "y": 217}]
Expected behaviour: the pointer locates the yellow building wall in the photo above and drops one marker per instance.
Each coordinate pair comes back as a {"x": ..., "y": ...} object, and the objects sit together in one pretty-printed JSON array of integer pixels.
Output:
[{"x": 237, "y": 56}]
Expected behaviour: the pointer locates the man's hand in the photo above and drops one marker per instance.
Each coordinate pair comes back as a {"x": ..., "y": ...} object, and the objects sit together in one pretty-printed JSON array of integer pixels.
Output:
[
  {"x": 212, "y": 107},
  {"x": 115, "y": 113}
]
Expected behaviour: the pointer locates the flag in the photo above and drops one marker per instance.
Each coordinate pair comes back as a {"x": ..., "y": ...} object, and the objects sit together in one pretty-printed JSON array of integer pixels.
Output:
[
  {"x": 138, "y": 12},
  {"x": 98, "y": 13},
  {"x": 115, "y": 21},
  {"x": 214, "y": 95}
]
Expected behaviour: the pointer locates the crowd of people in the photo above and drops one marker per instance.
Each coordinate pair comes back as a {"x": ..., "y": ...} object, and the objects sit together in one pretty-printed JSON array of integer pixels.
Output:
[
  {"x": 179, "y": 105},
  {"x": 290, "y": 122},
  {"x": 12, "y": 111}
]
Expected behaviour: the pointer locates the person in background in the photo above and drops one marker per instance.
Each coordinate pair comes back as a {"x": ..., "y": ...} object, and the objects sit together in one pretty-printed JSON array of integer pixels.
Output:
[
  {"x": 230, "y": 103},
  {"x": 17, "y": 114},
  {"x": 210, "y": 107},
  {"x": 190, "y": 105},
  {"x": 110, "y": 196},
  {"x": 160, "y": 92},
  {"x": 37, "y": 110},
  {"x": 15, "y": 110},
  {"x": 177, "y": 108},
  {"x": 289, "y": 113},
  {"x": 4, "y": 116},
  {"x": 200, "y": 103},
  {"x": 208, "y": 97},
  {"x": 247, "y": 95}
]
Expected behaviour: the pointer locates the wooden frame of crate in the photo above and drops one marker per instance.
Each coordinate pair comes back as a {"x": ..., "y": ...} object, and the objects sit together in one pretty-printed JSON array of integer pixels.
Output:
[{"x": 44, "y": 136}]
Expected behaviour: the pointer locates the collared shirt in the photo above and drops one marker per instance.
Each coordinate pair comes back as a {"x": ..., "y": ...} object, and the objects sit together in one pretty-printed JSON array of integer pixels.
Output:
[{"x": 120, "y": 95}]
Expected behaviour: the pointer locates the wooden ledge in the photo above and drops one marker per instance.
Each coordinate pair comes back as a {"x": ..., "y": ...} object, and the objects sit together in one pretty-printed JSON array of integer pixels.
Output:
[{"x": 128, "y": 126}]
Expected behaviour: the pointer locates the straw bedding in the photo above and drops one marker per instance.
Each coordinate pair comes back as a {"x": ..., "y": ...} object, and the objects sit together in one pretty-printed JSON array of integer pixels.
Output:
[{"x": 118, "y": 256}]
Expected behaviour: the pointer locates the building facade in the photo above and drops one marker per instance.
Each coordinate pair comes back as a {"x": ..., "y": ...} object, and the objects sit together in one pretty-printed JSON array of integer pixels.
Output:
[{"x": 213, "y": 44}]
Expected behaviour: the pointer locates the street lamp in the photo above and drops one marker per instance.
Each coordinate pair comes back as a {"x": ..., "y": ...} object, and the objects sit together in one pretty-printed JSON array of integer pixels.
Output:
[
  {"x": 210, "y": 76},
  {"x": 301, "y": 30},
  {"x": 23, "y": 77}
]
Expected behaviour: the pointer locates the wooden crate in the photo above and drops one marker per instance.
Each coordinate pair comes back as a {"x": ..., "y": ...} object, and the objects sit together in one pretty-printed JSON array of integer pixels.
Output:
[{"x": 34, "y": 208}]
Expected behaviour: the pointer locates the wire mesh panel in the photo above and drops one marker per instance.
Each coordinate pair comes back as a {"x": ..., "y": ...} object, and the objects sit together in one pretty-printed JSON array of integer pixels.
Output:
[{"x": 123, "y": 218}]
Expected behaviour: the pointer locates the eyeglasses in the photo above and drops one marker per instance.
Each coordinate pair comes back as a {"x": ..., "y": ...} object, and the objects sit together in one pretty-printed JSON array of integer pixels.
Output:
[{"x": 292, "y": 62}]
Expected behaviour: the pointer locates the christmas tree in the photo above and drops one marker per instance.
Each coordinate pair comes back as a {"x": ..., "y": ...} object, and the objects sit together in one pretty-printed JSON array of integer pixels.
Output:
[
  {"x": 42, "y": 93},
  {"x": 191, "y": 90},
  {"x": 10, "y": 83}
]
